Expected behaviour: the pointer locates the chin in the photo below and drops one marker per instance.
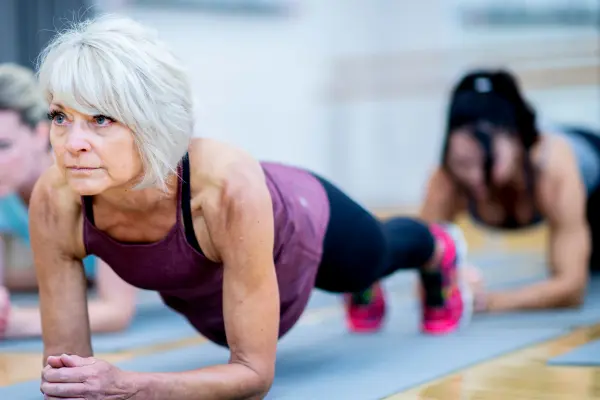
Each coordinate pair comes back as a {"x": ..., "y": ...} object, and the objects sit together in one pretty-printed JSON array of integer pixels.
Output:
[
  {"x": 5, "y": 190},
  {"x": 85, "y": 187}
]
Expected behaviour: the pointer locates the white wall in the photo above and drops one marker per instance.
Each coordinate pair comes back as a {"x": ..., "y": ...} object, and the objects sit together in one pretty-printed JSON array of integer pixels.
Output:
[{"x": 266, "y": 83}]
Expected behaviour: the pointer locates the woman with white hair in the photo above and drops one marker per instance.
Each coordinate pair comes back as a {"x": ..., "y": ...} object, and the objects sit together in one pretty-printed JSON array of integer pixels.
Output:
[
  {"x": 234, "y": 245},
  {"x": 24, "y": 156}
]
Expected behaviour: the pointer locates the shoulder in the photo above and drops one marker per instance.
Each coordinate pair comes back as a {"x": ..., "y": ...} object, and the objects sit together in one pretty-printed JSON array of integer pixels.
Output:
[
  {"x": 440, "y": 183},
  {"x": 554, "y": 159},
  {"x": 222, "y": 170},
  {"x": 561, "y": 189},
  {"x": 220, "y": 165},
  {"x": 53, "y": 204},
  {"x": 440, "y": 176}
]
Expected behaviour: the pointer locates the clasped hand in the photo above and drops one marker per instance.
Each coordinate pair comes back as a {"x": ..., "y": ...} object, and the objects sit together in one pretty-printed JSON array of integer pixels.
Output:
[{"x": 74, "y": 377}]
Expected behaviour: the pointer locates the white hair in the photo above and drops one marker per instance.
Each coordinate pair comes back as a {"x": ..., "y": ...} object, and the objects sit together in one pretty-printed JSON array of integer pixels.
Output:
[{"x": 116, "y": 67}]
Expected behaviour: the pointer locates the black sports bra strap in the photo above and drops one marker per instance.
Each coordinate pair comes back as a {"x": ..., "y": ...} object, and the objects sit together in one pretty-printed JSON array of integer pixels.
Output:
[
  {"x": 186, "y": 206},
  {"x": 88, "y": 208}
]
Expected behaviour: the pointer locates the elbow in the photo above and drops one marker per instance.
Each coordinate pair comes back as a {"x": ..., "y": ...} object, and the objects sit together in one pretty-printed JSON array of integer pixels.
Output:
[
  {"x": 573, "y": 300},
  {"x": 572, "y": 296},
  {"x": 267, "y": 383},
  {"x": 123, "y": 318},
  {"x": 122, "y": 322},
  {"x": 262, "y": 384},
  {"x": 111, "y": 318},
  {"x": 258, "y": 382}
]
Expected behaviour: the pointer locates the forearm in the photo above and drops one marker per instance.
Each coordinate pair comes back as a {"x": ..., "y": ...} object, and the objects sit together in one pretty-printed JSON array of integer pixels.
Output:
[
  {"x": 24, "y": 322},
  {"x": 79, "y": 348},
  {"x": 68, "y": 339},
  {"x": 108, "y": 317},
  {"x": 552, "y": 293},
  {"x": 20, "y": 278},
  {"x": 220, "y": 382}
]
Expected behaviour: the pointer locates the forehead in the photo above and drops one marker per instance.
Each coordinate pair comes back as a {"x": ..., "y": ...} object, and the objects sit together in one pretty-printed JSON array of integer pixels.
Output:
[
  {"x": 10, "y": 124},
  {"x": 57, "y": 105}
]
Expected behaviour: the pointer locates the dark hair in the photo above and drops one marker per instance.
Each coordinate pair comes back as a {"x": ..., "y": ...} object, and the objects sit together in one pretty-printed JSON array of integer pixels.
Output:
[{"x": 494, "y": 97}]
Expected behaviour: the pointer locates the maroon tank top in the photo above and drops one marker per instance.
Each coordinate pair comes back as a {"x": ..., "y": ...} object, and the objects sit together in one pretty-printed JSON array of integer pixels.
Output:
[{"x": 191, "y": 284}]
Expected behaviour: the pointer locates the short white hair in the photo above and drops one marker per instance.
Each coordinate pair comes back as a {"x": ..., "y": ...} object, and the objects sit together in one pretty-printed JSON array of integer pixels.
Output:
[{"x": 117, "y": 67}]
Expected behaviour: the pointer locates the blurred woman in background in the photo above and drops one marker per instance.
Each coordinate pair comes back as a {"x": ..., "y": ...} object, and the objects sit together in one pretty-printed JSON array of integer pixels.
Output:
[
  {"x": 24, "y": 156},
  {"x": 508, "y": 173}
]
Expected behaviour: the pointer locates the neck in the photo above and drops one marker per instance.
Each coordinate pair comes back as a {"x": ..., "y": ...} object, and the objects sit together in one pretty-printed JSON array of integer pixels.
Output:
[{"x": 142, "y": 200}]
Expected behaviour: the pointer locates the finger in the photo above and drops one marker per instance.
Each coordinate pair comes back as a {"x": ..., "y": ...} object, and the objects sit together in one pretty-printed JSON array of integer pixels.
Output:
[
  {"x": 64, "y": 390},
  {"x": 46, "y": 368},
  {"x": 76, "y": 361},
  {"x": 65, "y": 375},
  {"x": 54, "y": 362}
]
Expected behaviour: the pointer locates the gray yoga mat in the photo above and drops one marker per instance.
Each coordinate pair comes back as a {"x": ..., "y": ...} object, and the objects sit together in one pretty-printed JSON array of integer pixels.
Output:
[
  {"x": 587, "y": 355},
  {"x": 324, "y": 361},
  {"x": 155, "y": 324},
  {"x": 321, "y": 360}
]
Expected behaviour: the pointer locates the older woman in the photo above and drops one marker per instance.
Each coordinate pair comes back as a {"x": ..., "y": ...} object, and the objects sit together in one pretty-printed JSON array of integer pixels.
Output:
[
  {"x": 234, "y": 245},
  {"x": 24, "y": 155}
]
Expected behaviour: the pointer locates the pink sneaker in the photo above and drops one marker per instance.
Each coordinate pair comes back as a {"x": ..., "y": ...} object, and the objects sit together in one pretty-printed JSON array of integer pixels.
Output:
[
  {"x": 365, "y": 311},
  {"x": 457, "y": 306}
]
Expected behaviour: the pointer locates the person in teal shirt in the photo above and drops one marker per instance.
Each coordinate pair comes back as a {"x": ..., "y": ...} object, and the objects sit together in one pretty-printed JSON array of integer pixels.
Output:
[{"x": 24, "y": 156}]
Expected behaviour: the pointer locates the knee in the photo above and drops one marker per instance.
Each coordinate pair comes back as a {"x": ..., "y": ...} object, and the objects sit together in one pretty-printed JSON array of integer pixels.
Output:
[{"x": 411, "y": 241}]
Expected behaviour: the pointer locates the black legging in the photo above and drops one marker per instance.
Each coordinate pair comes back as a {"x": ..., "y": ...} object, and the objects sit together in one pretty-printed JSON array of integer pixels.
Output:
[{"x": 359, "y": 250}]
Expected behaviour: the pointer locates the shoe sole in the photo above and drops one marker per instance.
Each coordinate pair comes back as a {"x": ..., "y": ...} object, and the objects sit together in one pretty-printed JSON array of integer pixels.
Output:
[{"x": 466, "y": 293}]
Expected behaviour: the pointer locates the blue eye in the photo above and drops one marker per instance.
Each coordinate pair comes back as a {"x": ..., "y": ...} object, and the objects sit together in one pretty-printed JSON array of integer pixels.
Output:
[
  {"x": 57, "y": 117},
  {"x": 103, "y": 120}
]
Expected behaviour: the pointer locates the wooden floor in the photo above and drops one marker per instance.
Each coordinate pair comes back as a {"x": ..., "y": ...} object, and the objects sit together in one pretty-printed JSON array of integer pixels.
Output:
[{"x": 519, "y": 376}]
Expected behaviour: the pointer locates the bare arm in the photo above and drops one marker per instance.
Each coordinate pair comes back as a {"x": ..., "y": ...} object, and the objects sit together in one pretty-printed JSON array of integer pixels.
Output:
[
  {"x": 569, "y": 248},
  {"x": 53, "y": 225},
  {"x": 240, "y": 220},
  {"x": 114, "y": 307},
  {"x": 442, "y": 201},
  {"x": 111, "y": 311}
]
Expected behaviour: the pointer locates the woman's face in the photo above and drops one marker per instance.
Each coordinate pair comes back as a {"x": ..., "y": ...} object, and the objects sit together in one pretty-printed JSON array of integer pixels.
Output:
[
  {"x": 20, "y": 149},
  {"x": 466, "y": 161},
  {"x": 94, "y": 152}
]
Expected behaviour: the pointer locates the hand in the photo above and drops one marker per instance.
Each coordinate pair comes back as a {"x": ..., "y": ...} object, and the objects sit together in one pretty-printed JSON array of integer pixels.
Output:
[{"x": 71, "y": 376}]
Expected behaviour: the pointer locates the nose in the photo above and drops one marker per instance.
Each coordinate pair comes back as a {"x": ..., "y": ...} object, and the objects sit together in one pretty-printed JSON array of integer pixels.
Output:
[{"x": 77, "y": 141}]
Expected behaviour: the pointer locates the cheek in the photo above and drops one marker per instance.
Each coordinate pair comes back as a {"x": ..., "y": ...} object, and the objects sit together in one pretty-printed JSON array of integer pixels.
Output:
[
  {"x": 14, "y": 165},
  {"x": 503, "y": 166},
  {"x": 15, "y": 156},
  {"x": 57, "y": 154},
  {"x": 124, "y": 163}
]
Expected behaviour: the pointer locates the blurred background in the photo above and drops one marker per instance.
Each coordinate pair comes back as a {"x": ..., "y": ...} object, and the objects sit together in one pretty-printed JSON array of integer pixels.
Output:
[{"x": 353, "y": 89}]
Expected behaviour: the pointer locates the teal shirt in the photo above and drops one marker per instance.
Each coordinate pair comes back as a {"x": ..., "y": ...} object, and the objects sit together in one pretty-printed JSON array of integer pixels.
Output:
[{"x": 14, "y": 220}]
